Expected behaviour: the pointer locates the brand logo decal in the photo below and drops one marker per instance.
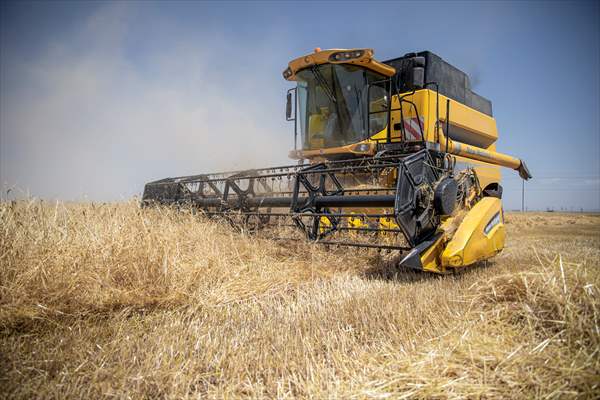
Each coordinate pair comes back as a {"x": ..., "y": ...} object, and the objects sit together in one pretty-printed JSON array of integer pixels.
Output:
[{"x": 493, "y": 222}]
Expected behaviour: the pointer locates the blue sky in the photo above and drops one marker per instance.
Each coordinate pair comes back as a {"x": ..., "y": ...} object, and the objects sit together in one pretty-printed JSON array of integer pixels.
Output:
[{"x": 97, "y": 98}]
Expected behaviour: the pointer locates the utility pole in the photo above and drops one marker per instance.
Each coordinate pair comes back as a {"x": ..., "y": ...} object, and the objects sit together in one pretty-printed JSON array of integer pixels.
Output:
[{"x": 522, "y": 195}]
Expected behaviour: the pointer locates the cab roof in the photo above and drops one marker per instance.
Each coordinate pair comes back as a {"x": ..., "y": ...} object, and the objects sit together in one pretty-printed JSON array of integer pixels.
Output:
[{"x": 361, "y": 57}]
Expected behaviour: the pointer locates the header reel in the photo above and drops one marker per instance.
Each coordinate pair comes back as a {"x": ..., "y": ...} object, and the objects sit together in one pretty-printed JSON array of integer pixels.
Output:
[{"x": 396, "y": 197}]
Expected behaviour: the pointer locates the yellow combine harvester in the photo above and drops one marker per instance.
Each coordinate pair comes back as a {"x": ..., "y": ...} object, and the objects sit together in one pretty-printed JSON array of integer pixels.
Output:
[{"x": 397, "y": 155}]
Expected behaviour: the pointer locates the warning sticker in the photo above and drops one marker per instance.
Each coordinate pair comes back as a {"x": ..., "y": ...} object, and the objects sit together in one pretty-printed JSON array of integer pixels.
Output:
[{"x": 413, "y": 129}]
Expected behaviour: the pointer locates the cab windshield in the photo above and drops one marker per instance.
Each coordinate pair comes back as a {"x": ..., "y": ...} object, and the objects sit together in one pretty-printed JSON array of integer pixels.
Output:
[{"x": 332, "y": 105}]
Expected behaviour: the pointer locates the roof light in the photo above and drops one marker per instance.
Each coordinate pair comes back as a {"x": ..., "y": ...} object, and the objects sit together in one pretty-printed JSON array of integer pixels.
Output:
[{"x": 346, "y": 55}]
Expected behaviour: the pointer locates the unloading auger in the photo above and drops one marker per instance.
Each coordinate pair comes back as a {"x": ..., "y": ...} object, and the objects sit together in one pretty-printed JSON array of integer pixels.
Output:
[{"x": 397, "y": 155}]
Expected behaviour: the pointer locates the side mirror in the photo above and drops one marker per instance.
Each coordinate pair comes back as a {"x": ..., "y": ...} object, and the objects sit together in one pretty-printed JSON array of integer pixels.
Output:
[
  {"x": 288, "y": 107},
  {"x": 418, "y": 61},
  {"x": 418, "y": 77}
]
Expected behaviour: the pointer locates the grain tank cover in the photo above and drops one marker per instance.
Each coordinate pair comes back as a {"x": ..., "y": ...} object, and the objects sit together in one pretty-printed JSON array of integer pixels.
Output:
[{"x": 452, "y": 82}]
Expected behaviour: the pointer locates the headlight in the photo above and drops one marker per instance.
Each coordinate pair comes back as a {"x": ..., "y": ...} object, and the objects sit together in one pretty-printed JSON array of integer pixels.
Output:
[
  {"x": 363, "y": 147},
  {"x": 287, "y": 73}
]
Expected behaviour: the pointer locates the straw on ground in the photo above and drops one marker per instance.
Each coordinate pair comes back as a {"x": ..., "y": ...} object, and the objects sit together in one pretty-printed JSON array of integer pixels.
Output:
[{"x": 112, "y": 300}]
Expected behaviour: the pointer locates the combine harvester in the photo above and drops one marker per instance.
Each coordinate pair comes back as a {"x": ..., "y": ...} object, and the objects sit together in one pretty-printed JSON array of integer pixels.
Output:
[{"x": 397, "y": 155}]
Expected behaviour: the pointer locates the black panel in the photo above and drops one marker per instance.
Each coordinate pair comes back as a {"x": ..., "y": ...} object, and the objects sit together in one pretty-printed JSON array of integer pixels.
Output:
[{"x": 452, "y": 82}]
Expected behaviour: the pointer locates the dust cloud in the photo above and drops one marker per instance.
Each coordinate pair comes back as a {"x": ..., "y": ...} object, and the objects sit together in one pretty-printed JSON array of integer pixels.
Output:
[{"x": 116, "y": 104}]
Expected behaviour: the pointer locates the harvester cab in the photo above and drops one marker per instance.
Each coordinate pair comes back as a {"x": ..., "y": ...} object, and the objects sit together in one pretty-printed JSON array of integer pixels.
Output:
[{"x": 397, "y": 155}]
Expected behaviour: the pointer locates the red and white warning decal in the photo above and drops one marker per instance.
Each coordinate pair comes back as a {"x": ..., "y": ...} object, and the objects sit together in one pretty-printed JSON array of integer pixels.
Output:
[{"x": 413, "y": 128}]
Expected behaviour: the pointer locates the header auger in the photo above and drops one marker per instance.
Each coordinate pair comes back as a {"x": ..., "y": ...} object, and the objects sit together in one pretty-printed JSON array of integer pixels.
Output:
[{"x": 397, "y": 155}]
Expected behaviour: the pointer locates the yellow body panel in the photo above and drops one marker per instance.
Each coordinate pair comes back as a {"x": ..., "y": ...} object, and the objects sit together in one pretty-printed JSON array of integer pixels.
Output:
[
  {"x": 480, "y": 235},
  {"x": 470, "y": 121},
  {"x": 461, "y": 116},
  {"x": 464, "y": 117},
  {"x": 355, "y": 148}
]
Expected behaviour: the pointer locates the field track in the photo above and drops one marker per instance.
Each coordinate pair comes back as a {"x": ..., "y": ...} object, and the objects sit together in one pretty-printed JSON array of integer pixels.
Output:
[{"x": 114, "y": 301}]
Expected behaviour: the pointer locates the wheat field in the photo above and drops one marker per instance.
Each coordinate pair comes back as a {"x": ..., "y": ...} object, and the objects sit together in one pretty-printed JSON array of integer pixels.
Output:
[{"x": 110, "y": 300}]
